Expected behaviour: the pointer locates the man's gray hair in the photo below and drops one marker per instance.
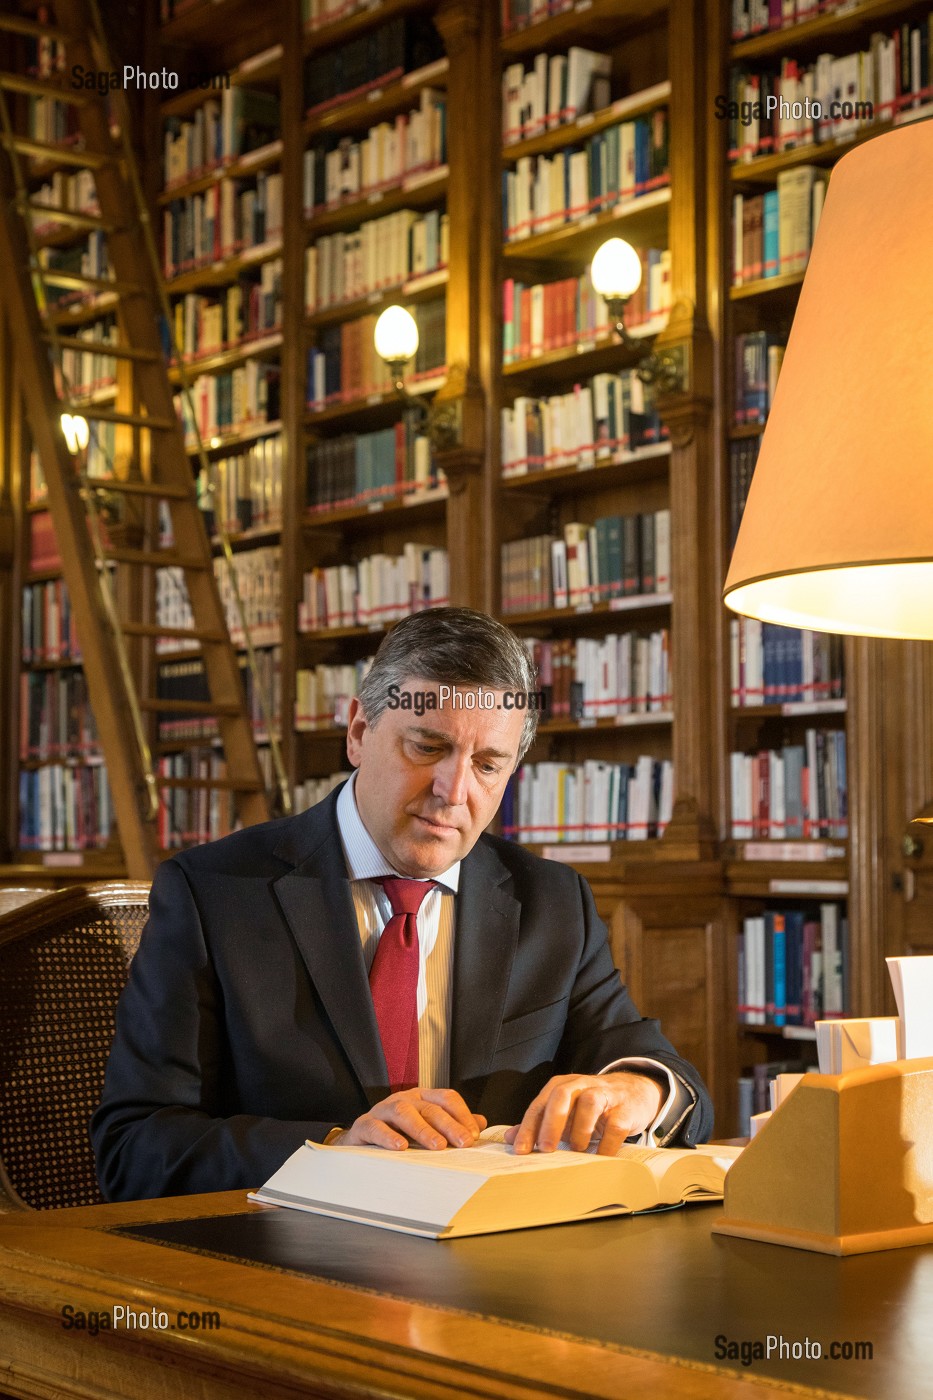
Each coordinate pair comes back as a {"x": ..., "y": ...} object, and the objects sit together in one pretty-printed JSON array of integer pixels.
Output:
[{"x": 453, "y": 646}]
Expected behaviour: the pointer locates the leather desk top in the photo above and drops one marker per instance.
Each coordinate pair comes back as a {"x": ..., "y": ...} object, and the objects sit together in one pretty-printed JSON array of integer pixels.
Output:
[{"x": 661, "y": 1282}]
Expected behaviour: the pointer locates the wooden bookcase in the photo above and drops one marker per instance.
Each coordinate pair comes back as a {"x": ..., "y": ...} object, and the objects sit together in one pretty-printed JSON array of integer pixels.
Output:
[{"x": 674, "y": 905}]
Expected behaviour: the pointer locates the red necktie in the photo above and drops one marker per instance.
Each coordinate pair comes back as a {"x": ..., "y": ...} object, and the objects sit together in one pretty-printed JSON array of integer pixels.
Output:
[{"x": 393, "y": 980}]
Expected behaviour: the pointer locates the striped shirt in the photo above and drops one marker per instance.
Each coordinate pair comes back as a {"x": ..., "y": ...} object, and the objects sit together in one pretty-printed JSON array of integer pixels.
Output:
[{"x": 435, "y": 923}]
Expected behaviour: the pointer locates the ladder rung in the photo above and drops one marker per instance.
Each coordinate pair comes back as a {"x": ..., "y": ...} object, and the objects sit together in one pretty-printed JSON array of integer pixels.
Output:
[
  {"x": 223, "y": 784},
  {"x": 14, "y": 24},
  {"x": 107, "y": 485},
  {"x": 130, "y": 420},
  {"x": 40, "y": 87},
  {"x": 191, "y": 707},
  {"x": 153, "y": 629},
  {"x": 53, "y": 214},
  {"x": 57, "y": 155},
  {"x": 159, "y": 558},
  {"x": 73, "y": 281},
  {"x": 103, "y": 347}
]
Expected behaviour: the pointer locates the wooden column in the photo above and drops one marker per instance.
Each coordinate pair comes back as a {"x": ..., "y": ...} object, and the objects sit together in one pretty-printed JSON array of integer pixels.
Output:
[
  {"x": 293, "y": 385},
  {"x": 10, "y": 448},
  {"x": 469, "y": 32},
  {"x": 695, "y": 563}
]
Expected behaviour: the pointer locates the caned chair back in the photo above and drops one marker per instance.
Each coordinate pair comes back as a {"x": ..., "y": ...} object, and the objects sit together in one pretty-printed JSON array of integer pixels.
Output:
[{"x": 63, "y": 963}]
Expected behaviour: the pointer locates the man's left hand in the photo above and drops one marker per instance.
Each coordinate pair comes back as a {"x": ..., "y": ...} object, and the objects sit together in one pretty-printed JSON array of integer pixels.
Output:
[{"x": 572, "y": 1107}]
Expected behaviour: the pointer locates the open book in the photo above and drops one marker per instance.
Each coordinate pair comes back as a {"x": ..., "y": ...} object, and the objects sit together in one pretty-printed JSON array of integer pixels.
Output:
[{"x": 477, "y": 1190}]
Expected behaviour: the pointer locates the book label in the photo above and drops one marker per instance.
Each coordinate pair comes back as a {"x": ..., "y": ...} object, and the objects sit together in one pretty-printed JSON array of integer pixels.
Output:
[
  {"x": 808, "y": 887},
  {"x": 578, "y": 855}
]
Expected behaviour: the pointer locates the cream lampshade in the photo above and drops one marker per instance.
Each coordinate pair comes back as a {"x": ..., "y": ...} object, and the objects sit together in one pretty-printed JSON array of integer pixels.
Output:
[{"x": 837, "y": 532}]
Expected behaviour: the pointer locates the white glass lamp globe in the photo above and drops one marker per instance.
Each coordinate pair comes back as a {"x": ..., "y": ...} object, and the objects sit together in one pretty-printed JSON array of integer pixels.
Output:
[
  {"x": 75, "y": 429},
  {"x": 396, "y": 334},
  {"x": 616, "y": 269}
]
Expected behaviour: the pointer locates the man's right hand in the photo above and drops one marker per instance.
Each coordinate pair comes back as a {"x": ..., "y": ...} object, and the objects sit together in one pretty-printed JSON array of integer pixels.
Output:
[{"x": 432, "y": 1118}]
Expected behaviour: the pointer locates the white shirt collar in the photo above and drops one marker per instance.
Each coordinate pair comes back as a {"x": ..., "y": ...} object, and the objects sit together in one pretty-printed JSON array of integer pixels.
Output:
[{"x": 364, "y": 859}]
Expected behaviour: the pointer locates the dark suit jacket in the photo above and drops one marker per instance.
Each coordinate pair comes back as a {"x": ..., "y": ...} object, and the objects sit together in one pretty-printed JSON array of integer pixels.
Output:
[{"x": 247, "y": 1025}]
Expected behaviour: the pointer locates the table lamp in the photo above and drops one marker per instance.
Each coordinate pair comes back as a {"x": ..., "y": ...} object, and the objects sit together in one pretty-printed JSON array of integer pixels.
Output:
[{"x": 837, "y": 533}]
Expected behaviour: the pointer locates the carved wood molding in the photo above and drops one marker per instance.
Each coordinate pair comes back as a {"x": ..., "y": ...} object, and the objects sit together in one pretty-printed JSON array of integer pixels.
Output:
[
  {"x": 458, "y": 23},
  {"x": 685, "y": 416},
  {"x": 463, "y": 466}
]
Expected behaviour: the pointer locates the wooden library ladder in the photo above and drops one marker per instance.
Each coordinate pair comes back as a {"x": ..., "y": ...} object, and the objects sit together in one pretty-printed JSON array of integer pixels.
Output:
[{"x": 117, "y": 651}]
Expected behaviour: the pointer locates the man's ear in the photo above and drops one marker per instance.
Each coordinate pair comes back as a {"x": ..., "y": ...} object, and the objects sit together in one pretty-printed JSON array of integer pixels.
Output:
[{"x": 356, "y": 728}]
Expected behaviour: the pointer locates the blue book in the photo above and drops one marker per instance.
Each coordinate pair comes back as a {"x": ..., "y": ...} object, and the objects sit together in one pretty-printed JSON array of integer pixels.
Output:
[
  {"x": 771, "y": 221},
  {"x": 779, "y": 953}
]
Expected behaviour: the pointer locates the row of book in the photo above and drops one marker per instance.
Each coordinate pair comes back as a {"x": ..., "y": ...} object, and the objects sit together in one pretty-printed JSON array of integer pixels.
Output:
[
  {"x": 229, "y": 402},
  {"x": 323, "y": 694},
  {"x": 44, "y": 552},
  {"x": 792, "y": 966},
  {"x": 51, "y": 122},
  {"x": 362, "y": 469},
  {"x": 743, "y": 454},
  {"x": 243, "y": 492},
  {"x": 89, "y": 371},
  {"x": 342, "y": 170},
  {"x": 377, "y": 57},
  {"x": 600, "y": 420},
  {"x": 379, "y": 589},
  {"x": 590, "y": 801},
  {"x": 754, "y": 1089},
  {"x": 189, "y": 816},
  {"x": 791, "y": 104},
  {"x": 382, "y": 253},
  {"x": 592, "y": 678},
  {"x": 759, "y": 356},
  {"x": 772, "y": 233},
  {"x": 48, "y": 629},
  {"x": 519, "y": 14},
  {"x": 71, "y": 190},
  {"x": 88, "y": 258},
  {"x": 65, "y": 808},
  {"x": 55, "y": 718},
  {"x": 258, "y": 574},
  {"x": 224, "y": 221},
  {"x": 552, "y": 89},
  {"x": 249, "y": 309},
  {"x": 771, "y": 665},
  {"x": 619, "y": 556},
  {"x": 185, "y": 680},
  {"x": 758, "y": 16},
  {"x": 344, "y": 366},
  {"x": 312, "y": 790},
  {"x": 795, "y": 792},
  {"x": 614, "y": 166},
  {"x": 569, "y": 311},
  {"x": 173, "y": 607},
  {"x": 220, "y": 131}
]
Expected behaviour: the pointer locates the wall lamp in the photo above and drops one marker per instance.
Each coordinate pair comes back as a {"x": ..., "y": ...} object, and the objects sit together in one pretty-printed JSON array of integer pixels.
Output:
[
  {"x": 76, "y": 432},
  {"x": 616, "y": 275},
  {"x": 396, "y": 341}
]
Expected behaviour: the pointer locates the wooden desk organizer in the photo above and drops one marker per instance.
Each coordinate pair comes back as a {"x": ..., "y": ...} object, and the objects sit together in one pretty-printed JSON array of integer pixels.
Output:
[{"x": 844, "y": 1166}]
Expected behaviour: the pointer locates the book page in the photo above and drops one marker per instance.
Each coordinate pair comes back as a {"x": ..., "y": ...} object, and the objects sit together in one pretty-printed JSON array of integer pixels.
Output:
[{"x": 485, "y": 1158}]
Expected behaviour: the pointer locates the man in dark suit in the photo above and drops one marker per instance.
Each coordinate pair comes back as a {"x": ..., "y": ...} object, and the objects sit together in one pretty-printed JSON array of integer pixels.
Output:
[{"x": 376, "y": 970}]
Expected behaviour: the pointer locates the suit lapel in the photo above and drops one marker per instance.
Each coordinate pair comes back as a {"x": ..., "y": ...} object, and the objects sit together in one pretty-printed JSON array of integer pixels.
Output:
[
  {"x": 485, "y": 939},
  {"x": 316, "y": 901}
]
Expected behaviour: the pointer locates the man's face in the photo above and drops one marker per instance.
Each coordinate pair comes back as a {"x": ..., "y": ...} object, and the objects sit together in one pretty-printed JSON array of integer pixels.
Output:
[{"x": 428, "y": 784}]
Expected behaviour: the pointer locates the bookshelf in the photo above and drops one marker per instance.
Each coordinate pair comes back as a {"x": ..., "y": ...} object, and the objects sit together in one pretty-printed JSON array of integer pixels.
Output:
[
  {"x": 392, "y": 183},
  {"x": 841, "y": 716}
]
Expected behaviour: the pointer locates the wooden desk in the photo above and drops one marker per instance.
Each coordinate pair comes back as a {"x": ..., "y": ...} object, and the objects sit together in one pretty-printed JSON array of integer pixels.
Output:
[{"x": 629, "y": 1306}]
